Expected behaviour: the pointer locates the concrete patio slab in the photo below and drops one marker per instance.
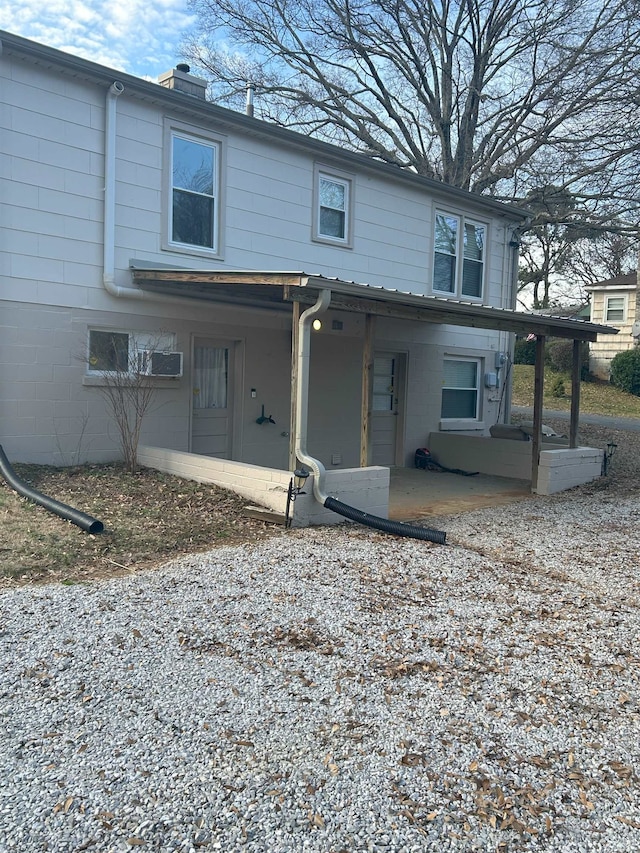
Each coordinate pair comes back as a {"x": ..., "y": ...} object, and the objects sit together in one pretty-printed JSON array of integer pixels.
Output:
[{"x": 415, "y": 493}]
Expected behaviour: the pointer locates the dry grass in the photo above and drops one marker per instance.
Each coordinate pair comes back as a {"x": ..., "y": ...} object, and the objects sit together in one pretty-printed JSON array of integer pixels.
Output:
[
  {"x": 148, "y": 518},
  {"x": 598, "y": 398}
]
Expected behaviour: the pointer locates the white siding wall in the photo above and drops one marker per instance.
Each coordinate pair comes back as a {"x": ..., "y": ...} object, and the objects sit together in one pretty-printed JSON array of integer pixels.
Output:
[
  {"x": 53, "y": 192},
  {"x": 51, "y": 265}
]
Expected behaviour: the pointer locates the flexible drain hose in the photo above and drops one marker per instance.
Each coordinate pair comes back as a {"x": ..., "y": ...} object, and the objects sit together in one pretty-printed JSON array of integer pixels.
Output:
[
  {"x": 413, "y": 531},
  {"x": 86, "y": 522}
]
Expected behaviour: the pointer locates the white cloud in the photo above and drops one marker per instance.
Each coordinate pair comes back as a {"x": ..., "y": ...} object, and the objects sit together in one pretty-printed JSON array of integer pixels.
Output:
[{"x": 140, "y": 37}]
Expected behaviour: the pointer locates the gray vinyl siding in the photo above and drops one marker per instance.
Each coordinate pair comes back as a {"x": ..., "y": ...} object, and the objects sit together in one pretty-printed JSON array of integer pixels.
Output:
[{"x": 51, "y": 268}]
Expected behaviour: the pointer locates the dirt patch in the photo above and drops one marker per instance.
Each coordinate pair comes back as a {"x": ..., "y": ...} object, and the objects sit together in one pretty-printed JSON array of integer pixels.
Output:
[{"x": 149, "y": 518}]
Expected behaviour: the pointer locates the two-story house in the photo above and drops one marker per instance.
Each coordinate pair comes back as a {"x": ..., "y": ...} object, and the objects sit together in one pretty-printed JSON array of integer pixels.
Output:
[{"x": 142, "y": 224}]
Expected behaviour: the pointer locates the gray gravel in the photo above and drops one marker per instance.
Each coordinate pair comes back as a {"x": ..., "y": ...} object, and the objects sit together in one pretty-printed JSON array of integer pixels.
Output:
[{"x": 338, "y": 690}]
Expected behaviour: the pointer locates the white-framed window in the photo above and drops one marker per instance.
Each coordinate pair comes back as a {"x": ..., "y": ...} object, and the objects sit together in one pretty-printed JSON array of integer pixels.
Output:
[
  {"x": 461, "y": 389},
  {"x": 458, "y": 256},
  {"x": 615, "y": 309},
  {"x": 194, "y": 164},
  {"x": 112, "y": 351},
  {"x": 332, "y": 207}
]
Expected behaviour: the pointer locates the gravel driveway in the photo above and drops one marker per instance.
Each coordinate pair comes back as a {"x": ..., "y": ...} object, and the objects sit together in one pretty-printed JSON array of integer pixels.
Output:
[{"x": 340, "y": 690}]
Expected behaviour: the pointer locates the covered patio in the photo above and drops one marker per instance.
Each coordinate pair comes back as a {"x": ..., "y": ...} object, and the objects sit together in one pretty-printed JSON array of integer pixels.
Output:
[{"x": 293, "y": 292}]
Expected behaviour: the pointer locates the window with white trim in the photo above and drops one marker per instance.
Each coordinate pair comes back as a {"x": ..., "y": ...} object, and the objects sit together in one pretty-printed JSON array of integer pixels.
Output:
[
  {"x": 459, "y": 256},
  {"x": 193, "y": 208},
  {"x": 461, "y": 388},
  {"x": 332, "y": 213},
  {"x": 615, "y": 310}
]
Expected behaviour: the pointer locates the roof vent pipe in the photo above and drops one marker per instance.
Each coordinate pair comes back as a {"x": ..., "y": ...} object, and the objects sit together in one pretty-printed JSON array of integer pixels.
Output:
[{"x": 250, "y": 93}]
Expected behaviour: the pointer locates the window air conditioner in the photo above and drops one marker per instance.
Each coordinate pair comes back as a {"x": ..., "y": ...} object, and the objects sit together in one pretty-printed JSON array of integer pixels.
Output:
[{"x": 152, "y": 363}]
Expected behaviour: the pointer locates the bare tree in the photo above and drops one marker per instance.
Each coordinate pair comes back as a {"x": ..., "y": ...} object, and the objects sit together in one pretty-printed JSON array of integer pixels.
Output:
[
  {"x": 480, "y": 94},
  {"x": 127, "y": 391},
  {"x": 598, "y": 257},
  {"x": 561, "y": 254}
]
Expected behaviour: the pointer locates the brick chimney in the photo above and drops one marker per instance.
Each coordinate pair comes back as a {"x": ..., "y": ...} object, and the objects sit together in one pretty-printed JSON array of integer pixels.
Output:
[{"x": 181, "y": 80}]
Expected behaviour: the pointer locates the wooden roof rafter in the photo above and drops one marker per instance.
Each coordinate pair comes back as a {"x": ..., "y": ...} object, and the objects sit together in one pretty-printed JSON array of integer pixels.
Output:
[{"x": 275, "y": 289}]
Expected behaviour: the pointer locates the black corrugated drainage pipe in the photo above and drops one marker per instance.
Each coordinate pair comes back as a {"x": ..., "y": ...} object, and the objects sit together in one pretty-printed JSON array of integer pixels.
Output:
[
  {"x": 86, "y": 522},
  {"x": 399, "y": 528}
]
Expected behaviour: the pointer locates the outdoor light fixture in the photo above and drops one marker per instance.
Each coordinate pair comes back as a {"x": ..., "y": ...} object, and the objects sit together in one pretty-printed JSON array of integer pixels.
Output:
[
  {"x": 296, "y": 485},
  {"x": 608, "y": 456},
  {"x": 317, "y": 325}
]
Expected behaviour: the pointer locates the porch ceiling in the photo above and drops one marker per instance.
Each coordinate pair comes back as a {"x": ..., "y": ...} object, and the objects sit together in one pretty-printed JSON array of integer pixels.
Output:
[{"x": 275, "y": 289}]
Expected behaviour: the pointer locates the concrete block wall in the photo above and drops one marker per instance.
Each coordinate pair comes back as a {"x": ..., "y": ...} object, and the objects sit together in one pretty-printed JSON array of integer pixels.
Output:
[
  {"x": 364, "y": 488},
  {"x": 567, "y": 467},
  {"x": 560, "y": 468},
  {"x": 264, "y": 486},
  {"x": 500, "y": 457}
]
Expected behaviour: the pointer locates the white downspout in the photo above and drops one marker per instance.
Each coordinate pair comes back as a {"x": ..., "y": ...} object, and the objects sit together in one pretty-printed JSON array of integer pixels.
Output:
[
  {"x": 302, "y": 393},
  {"x": 109, "y": 231},
  {"x": 108, "y": 268}
]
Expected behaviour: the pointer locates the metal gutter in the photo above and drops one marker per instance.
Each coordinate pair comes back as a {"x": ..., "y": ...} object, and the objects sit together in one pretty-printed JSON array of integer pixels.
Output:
[{"x": 294, "y": 284}]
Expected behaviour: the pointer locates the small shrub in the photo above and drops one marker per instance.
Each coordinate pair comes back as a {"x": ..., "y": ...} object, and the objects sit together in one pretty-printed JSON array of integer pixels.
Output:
[
  {"x": 524, "y": 351},
  {"x": 559, "y": 354},
  {"x": 625, "y": 371},
  {"x": 558, "y": 389}
]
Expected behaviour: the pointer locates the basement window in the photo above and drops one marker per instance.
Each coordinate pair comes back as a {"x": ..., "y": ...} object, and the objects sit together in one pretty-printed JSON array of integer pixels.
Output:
[
  {"x": 460, "y": 389},
  {"x": 112, "y": 351},
  {"x": 108, "y": 352}
]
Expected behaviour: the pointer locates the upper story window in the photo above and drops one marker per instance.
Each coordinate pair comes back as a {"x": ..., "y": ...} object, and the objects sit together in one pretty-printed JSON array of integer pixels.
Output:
[
  {"x": 459, "y": 256},
  {"x": 332, "y": 214},
  {"x": 461, "y": 388},
  {"x": 615, "y": 309},
  {"x": 194, "y": 168}
]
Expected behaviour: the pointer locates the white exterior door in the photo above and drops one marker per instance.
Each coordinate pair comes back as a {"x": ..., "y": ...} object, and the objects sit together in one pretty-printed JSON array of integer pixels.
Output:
[
  {"x": 212, "y": 398},
  {"x": 386, "y": 399}
]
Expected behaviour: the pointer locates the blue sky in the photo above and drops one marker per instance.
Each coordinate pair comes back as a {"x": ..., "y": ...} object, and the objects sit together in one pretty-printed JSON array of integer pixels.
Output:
[{"x": 141, "y": 37}]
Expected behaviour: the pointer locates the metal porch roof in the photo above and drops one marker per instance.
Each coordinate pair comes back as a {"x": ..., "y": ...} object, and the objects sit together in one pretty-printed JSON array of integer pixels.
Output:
[{"x": 275, "y": 289}]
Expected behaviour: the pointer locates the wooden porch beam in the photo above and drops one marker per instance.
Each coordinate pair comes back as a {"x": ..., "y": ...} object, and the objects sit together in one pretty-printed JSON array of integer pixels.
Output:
[
  {"x": 221, "y": 277},
  {"x": 575, "y": 395},
  {"x": 367, "y": 389},
  {"x": 454, "y": 316},
  {"x": 538, "y": 402}
]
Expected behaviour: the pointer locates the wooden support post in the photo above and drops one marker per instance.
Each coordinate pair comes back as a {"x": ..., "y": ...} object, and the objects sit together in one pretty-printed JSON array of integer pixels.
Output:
[
  {"x": 295, "y": 343},
  {"x": 367, "y": 375},
  {"x": 538, "y": 402},
  {"x": 575, "y": 395}
]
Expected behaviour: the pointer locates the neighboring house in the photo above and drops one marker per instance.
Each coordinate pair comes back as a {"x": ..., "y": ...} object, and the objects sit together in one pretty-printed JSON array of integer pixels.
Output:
[
  {"x": 139, "y": 216},
  {"x": 614, "y": 302}
]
